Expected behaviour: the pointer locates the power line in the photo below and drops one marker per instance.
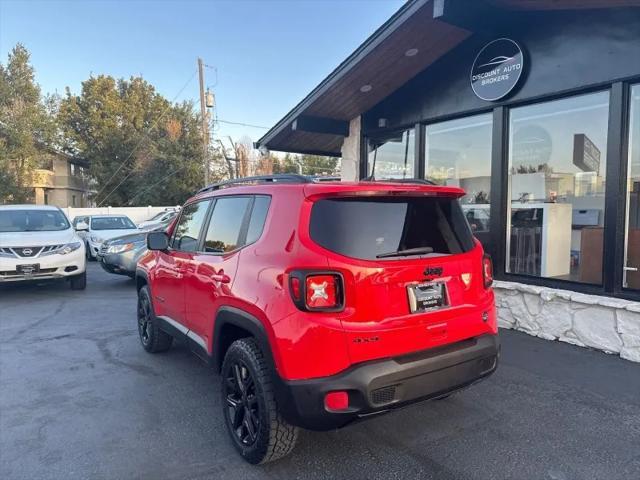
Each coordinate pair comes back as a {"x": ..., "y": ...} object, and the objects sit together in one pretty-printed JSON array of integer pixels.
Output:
[
  {"x": 140, "y": 143},
  {"x": 155, "y": 184},
  {"x": 242, "y": 124}
]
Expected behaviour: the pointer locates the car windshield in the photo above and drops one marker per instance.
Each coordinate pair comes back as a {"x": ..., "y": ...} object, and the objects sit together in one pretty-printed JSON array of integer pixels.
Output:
[
  {"x": 157, "y": 216},
  {"x": 32, "y": 221},
  {"x": 111, "y": 223}
]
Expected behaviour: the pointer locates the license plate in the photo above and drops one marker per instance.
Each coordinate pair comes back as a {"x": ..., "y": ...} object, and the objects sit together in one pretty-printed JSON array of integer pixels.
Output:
[
  {"x": 427, "y": 296},
  {"x": 28, "y": 269}
]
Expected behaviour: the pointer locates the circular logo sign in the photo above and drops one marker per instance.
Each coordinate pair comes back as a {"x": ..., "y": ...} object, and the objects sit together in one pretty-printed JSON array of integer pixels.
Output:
[{"x": 497, "y": 69}]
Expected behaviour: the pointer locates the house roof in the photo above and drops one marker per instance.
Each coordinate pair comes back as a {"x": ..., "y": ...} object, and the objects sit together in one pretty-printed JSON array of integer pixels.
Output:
[{"x": 383, "y": 63}]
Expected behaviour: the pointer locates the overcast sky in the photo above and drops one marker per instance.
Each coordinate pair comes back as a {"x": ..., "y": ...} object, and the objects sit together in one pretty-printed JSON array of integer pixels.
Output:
[{"x": 267, "y": 54}]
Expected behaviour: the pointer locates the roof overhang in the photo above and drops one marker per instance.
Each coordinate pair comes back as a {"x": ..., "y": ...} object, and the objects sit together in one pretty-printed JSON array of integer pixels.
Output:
[{"x": 418, "y": 34}]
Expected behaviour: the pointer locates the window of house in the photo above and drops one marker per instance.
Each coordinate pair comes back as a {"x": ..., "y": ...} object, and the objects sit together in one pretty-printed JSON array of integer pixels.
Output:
[
  {"x": 225, "y": 228},
  {"x": 631, "y": 278},
  {"x": 73, "y": 200},
  {"x": 557, "y": 166},
  {"x": 458, "y": 153},
  {"x": 392, "y": 155},
  {"x": 187, "y": 230}
]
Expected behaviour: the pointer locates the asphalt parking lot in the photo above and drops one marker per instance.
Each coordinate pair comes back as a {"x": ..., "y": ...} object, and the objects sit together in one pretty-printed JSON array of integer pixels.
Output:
[{"x": 80, "y": 399}]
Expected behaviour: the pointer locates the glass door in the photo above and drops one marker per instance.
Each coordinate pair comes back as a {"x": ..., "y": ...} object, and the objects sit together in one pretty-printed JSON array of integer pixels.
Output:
[{"x": 631, "y": 278}]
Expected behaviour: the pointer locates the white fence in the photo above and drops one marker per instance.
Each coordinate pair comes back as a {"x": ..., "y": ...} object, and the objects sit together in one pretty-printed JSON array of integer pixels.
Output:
[{"x": 136, "y": 214}]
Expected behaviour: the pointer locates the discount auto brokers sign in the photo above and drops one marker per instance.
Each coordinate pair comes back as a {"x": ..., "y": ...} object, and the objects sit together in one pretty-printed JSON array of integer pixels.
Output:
[{"x": 497, "y": 69}]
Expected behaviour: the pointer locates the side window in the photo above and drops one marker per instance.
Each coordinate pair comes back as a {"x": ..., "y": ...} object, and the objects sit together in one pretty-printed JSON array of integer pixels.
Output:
[
  {"x": 258, "y": 217},
  {"x": 225, "y": 227},
  {"x": 187, "y": 230}
]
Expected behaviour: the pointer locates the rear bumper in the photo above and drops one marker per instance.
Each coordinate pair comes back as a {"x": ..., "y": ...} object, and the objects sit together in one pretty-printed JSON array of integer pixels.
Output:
[{"x": 379, "y": 386}]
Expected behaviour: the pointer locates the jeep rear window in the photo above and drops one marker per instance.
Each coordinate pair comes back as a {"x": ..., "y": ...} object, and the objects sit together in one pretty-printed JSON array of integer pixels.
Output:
[{"x": 364, "y": 228}]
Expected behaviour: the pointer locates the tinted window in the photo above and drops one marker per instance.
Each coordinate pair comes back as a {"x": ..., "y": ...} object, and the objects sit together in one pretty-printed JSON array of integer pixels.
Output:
[
  {"x": 223, "y": 234},
  {"x": 111, "y": 223},
  {"x": 367, "y": 228},
  {"x": 187, "y": 230},
  {"x": 258, "y": 217},
  {"x": 557, "y": 184},
  {"x": 391, "y": 155},
  {"x": 32, "y": 221}
]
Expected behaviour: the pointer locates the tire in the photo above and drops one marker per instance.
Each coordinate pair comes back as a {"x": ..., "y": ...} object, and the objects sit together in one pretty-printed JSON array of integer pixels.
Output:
[
  {"x": 252, "y": 406},
  {"x": 153, "y": 339},
  {"x": 79, "y": 282}
]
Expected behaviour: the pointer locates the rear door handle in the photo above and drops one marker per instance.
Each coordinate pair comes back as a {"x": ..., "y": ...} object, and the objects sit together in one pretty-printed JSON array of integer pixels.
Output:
[{"x": 221, "y": 277}]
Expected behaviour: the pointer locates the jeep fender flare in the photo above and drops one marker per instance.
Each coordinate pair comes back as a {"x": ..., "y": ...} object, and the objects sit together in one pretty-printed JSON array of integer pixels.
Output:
[
  {"x": 141, "y": 275},
  {"x": 234, "y": 316}
]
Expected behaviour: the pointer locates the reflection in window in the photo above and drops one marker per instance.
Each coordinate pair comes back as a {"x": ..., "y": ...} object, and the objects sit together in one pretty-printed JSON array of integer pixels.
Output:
[
  {"x": 258, "y": 217},
  {"x": 632, "y": 238},
  {"x": 557, "y": 165},
  {"x": 187, "y": 230},
  {"x": 392, "y": 155},
  {"x": 223, "y": 234},
  {"x": 458, "y": 153}
]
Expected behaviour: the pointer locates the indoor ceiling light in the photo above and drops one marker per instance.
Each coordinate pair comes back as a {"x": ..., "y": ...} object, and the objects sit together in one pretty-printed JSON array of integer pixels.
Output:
[
  {"x": 365, "y": 88},
  {"x": 412, "y": 52}
]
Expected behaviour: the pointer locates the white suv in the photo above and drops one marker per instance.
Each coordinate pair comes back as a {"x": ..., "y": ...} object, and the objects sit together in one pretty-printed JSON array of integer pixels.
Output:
[{"x": 37, "y": 242}]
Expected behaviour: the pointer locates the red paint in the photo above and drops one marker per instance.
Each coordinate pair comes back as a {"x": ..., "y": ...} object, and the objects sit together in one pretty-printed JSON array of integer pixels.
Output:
[{"x": 190, "y": 288}]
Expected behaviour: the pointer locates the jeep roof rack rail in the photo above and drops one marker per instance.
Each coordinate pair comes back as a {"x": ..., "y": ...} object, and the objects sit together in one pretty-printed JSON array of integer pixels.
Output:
[{"x": 278, "y": 178}]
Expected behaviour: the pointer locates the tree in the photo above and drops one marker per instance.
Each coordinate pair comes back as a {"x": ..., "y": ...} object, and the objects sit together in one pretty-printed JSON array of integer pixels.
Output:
[
  {"x": 26, "y": 127},
  {"x": 142, "y": 149},
  {"x": 318, "y": 165},
  {"x": 306, "y": 164}
]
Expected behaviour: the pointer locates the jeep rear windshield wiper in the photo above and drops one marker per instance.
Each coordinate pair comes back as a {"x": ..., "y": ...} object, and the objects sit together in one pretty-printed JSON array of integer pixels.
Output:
[{"x": 406, "y": 253}]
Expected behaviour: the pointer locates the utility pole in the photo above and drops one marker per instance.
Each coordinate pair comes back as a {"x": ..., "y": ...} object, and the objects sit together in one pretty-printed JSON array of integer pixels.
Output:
[{"x": 205, "y": 123}]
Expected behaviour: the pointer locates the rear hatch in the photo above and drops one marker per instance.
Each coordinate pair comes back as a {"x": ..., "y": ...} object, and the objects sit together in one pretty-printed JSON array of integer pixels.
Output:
[{"x": 412, "y": 270}]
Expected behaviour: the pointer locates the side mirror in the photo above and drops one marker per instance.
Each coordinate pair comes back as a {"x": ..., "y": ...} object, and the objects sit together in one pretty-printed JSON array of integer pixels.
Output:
[
  {"x": 82, "y": 227},
  {"x": 157, "y": 241}
]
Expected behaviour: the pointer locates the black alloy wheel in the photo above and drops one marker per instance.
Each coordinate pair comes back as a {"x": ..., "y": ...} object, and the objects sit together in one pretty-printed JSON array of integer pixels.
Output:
[
  {"x": 152, "y": 338},
  {"x": 243, "y": 408},
  {"x": 258, "y": 431},
  {"x": 144, "y": 321}
]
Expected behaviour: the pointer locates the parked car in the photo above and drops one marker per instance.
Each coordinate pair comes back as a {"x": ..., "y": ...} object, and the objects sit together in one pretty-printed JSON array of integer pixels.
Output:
[
  {"x": 120, "y": 255},
  {"x": 37, "y": 242},
  {"x": 159, "y": 220},
  {"x": 321, "y": 303},
  {"x": 95, "y": 229}
]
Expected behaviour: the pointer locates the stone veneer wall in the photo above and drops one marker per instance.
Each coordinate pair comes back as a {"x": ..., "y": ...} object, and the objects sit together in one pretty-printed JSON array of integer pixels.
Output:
[
  {"x": 604, "y": 323},
  {"x": 350, "y": 164}
]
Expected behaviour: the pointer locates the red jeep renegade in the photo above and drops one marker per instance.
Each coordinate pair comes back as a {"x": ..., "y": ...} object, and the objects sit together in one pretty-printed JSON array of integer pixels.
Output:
[{"x": 321, "y": 302}]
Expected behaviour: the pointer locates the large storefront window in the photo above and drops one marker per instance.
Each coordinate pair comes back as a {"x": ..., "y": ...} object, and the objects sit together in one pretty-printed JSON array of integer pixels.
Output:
[
  {"x": 392, "y": 155},
  {"x": 458, "y": 153},
  {"x": 557, "y": 165},
  {"x": 632, "y": 238}
]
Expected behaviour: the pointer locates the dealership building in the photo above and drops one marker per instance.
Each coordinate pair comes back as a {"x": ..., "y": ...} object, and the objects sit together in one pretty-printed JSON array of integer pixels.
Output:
[{"x": 533, "y": 108}]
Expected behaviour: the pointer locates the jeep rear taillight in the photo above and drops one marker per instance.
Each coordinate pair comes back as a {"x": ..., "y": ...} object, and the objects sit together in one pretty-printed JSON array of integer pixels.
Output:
[
  {"x": 487, "y": 271},
  {"x": 321, "y": 292},
  {"x": 317, "y": 291}
]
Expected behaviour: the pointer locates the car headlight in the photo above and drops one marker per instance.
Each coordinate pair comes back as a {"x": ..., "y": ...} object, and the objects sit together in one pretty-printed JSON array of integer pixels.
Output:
[
  {"x": 120, "y": 248},
  {"x": 95, "y": 239},
  {"x": 68, "y": 248}
]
